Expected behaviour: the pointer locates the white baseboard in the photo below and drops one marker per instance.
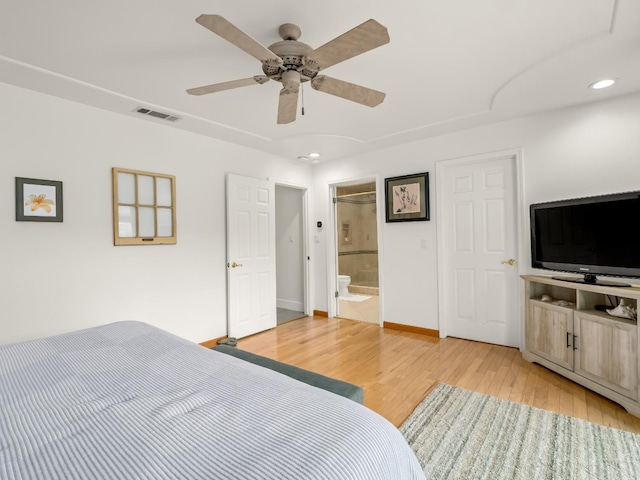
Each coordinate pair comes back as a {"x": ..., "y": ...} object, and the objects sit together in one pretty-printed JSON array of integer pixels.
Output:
[{"x": 290, "y": 305}]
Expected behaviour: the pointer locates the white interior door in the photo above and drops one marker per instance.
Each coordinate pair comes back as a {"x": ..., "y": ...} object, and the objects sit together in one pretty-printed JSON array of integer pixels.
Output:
[
  {"x": 479, "y": 244},
  {"x": 251, "y": 258}
]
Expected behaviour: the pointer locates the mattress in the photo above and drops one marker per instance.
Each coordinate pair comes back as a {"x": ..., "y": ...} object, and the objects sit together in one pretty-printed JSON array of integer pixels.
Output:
[{"x": 130, "y": 401}]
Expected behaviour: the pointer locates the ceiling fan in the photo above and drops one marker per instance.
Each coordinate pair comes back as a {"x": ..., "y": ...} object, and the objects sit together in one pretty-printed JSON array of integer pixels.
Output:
[{"x": 291, "y": 62}]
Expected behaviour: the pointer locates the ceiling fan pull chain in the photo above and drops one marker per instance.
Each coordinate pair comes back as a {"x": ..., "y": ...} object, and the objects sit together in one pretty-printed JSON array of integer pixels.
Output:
[{"x": 302, "y": 97}]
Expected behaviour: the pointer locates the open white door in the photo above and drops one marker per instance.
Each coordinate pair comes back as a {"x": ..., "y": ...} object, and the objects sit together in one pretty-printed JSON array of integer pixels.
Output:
[{"x": 251, "y": 255}]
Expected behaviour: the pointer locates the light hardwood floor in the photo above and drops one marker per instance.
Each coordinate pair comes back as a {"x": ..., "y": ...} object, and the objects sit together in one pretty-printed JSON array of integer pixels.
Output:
[{"x": 397, "y": 369}]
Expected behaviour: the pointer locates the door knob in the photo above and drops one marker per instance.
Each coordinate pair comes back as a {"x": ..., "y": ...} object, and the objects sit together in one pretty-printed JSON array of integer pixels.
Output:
[
  {"x": 511, "y": 262},
  {"x": 234, "y": 264}
]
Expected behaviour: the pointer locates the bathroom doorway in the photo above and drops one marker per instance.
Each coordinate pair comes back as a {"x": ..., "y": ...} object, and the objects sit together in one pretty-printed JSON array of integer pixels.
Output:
[{"x": 356, "y": 228}]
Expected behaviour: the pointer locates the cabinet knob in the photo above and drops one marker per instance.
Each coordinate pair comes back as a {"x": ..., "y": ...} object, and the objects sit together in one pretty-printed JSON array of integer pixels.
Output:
[{"x": 511, "y": 262}]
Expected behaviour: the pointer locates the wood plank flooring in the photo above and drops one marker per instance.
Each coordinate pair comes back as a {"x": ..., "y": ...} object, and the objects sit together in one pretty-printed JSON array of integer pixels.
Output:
[{"x": 397, "y": 369}]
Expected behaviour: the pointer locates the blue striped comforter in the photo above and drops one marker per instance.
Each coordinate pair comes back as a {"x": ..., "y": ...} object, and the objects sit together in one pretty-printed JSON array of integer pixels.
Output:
[{"x": 131, "y": 401}]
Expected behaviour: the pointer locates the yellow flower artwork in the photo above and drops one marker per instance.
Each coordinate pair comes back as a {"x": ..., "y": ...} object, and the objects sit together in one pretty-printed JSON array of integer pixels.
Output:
[{"x": 39, "y": 201}]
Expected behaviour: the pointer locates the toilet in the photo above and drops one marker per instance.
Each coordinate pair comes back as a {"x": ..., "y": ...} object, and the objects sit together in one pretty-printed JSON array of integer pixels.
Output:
[{"x": 343, "y": 284}]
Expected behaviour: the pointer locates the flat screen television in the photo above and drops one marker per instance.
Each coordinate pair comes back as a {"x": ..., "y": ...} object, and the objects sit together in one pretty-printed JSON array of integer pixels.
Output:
[{"x": 589, "y": 236}]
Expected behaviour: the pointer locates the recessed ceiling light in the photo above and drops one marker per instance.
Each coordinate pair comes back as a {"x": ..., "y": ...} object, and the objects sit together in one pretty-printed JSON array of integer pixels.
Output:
[
  {"x": 314, "y": 155},
  {"x": 607, "y": 82}
]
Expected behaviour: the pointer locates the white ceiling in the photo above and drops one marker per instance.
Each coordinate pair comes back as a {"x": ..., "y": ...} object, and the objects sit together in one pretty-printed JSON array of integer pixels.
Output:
[{"x": 450, "y": 64}]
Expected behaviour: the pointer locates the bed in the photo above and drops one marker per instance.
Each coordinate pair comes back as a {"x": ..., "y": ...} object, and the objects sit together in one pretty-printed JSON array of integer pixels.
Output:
[{"x": 130, "y": 401}]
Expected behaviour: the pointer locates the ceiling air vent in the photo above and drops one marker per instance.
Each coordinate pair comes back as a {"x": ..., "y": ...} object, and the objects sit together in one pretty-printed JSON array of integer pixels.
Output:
[{"x": 153, "y": 113}]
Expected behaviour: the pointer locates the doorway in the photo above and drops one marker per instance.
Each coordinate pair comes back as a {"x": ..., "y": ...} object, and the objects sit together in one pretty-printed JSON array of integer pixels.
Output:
[
  {"x": 356, "y": 247},
  {"x": 290, "y": 253},
  {"x": 478, "y": 241}
]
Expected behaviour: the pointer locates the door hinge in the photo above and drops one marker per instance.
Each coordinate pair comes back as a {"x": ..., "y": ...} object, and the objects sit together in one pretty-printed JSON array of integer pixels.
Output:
[
  {"x": 335, "y": 200},
  {"x": 336, "y": 294}
]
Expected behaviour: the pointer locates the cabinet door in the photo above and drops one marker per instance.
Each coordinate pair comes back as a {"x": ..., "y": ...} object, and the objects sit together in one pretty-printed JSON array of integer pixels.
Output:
[
  {"x": 550, "y": 332},
  {"x": 607, "y": 352}
]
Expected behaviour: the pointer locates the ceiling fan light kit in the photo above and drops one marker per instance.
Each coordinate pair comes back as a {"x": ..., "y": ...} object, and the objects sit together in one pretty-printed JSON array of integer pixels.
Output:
[{"x": 292, "y": 63}]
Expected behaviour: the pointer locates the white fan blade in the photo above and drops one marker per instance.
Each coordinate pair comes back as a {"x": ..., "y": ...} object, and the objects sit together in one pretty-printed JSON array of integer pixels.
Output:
[
  {"x": 220, "y": 26},
  {"x": 360, "y": 39},
  {"x": 287, "y": 106},
  {"x": 218, "y": 87},
  {"x": 349, "y": 91}
]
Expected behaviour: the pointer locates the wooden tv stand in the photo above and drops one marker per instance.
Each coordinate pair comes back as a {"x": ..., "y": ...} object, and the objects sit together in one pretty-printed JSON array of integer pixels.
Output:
[{"x": 592, "y": 348}]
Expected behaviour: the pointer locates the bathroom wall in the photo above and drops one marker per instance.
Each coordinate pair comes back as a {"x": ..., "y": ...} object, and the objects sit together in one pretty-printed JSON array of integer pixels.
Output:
[{"x": 357, "y": 235}]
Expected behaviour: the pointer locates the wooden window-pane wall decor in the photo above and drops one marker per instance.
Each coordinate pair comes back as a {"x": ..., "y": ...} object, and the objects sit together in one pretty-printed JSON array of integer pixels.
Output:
[{"x": 144, "y": 208}]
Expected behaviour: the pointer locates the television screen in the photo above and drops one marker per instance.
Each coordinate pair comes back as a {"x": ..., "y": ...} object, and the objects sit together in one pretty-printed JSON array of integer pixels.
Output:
[{"x": 591, "y": 236}]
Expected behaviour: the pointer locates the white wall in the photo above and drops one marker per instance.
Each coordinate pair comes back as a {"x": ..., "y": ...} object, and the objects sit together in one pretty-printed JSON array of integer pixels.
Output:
[
  {"x": 289, "y": 249},
  {"x": 60, "y": 277},
  {"x": 56, "y": 277},
  {"x": 579, "y": 151}
]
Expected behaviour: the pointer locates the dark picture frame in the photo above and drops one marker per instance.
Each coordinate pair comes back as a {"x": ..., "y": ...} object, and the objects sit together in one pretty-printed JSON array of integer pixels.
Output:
[
  {"x": 407, "y": 198},
  {"x": 38, "y": 200}
]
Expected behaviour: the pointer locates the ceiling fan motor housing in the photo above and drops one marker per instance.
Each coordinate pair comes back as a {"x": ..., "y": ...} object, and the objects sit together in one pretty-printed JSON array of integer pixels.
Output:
[{"x": 292, "y": 52}]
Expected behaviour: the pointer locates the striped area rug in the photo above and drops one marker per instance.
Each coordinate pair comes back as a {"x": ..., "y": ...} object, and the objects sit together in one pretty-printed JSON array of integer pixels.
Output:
[{"x": 459, "y": 434}]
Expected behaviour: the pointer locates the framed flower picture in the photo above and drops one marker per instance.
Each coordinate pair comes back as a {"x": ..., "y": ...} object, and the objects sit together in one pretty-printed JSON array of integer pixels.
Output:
[
  {"x": 407, "y": 198},
  {"x": 38, "y": 200}
]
